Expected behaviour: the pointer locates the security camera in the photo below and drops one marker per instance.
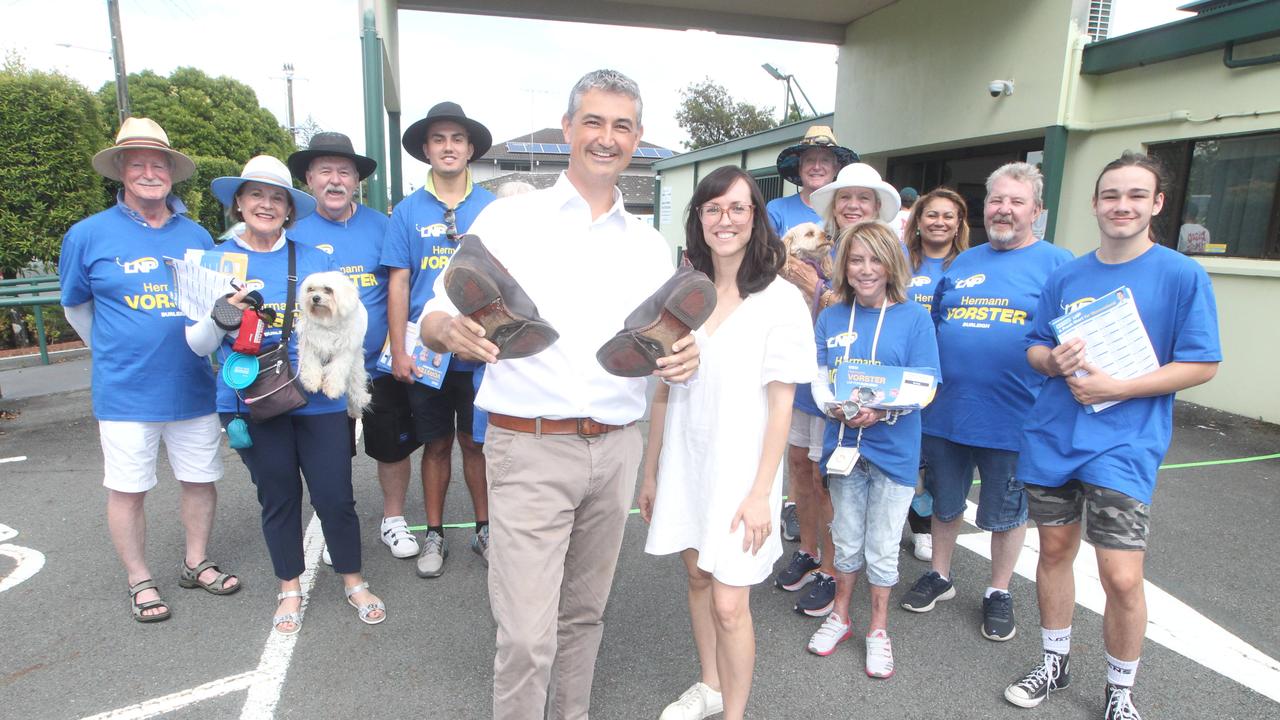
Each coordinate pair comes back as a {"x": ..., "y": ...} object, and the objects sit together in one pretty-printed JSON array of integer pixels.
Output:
[{"x": 996, "y": 88}]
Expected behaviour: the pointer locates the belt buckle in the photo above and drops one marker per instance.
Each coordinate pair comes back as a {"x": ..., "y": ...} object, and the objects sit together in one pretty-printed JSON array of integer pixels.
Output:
[{"x": 584, "y": 425}]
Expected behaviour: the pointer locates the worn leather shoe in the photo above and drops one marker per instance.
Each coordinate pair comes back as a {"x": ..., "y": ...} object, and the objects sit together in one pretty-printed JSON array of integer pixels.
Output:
[
  {"x": 482, "y": 289},
  {"x": 680, "y": 306}
]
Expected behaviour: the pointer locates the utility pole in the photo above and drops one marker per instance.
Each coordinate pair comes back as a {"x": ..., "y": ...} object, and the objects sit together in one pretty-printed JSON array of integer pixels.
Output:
[
  {"x": 117, "y": 55},
  {"x": 288, "y": 82}
]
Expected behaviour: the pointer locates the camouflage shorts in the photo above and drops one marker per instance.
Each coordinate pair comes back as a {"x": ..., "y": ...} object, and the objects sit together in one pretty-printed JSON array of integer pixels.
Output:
[{"x": 1112, "y": 519}]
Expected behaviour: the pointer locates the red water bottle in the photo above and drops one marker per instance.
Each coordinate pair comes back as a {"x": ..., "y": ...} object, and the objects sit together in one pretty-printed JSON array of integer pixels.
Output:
[{"x": 249, "y": 340}]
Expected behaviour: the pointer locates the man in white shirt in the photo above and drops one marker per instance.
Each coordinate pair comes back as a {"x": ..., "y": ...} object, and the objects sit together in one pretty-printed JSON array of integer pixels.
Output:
[{"x": 562, "y": 452}]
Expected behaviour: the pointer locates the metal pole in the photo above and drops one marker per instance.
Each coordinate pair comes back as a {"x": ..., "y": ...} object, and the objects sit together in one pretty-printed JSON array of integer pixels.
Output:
[
  {"x": 375, "y": 139},
  {"x": 288, "y": 83},
  {"x": 117, "y": 55},
  {"x": 393, "y": 158}
]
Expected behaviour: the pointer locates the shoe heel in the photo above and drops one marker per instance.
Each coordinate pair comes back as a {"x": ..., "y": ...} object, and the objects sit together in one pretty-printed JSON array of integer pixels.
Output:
[
  {"x": 469, "y": 290},
  {"x": 693, "y": 304},
  {"x": 529, "y": 338},
  {"x": 626, "y": 356}
]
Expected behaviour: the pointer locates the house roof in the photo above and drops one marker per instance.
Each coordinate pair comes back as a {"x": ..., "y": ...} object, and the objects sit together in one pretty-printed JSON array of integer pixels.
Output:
[
  {"x": 548, "y": 145},
  {"x": 636, "y": 189}
]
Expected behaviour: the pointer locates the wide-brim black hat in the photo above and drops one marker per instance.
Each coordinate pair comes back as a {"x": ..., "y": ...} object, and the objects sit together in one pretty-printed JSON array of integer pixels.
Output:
[
  {"x": 416, "y": 135},
  {"x": 817, "y": 136},
  {"x": 329, "y": 144}
]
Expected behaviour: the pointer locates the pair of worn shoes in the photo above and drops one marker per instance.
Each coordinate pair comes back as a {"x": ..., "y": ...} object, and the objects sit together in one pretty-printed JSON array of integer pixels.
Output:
[{"x": 482, "y": 289}]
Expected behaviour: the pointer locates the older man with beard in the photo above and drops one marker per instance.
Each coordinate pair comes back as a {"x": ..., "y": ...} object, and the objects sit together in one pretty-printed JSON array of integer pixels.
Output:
[
  {"x": 983, "y": 307},
  {"x": 353, "y": 234}
]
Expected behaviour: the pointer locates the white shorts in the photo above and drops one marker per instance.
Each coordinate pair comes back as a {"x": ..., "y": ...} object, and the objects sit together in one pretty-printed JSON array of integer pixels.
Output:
[
  {"x": 806, "y": 432},
  {"x": 129, "y": 451}
]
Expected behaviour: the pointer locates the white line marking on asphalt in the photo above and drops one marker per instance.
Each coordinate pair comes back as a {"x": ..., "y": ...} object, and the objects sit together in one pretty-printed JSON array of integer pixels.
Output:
[
  {"x": 181, "y": 699},
  {"x": 18, "y": 458},
  {"x": 1170, "y": 622},
  {"x": 29, "y": 561}
]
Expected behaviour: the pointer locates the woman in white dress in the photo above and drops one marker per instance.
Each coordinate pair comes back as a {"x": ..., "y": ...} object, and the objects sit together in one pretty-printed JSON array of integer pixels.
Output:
[{"x": 712, "y": 473}]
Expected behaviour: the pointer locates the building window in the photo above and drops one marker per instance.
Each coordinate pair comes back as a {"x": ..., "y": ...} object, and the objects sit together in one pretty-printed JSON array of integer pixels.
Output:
[
  {"x": 770, "y": 183},
  {"x": 1223, "y": 196},
  {"x": 517, "y": 165}
]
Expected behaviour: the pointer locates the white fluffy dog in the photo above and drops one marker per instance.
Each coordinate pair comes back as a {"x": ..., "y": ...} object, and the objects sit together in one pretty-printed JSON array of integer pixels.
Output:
[{"x": 331, "y": 339}]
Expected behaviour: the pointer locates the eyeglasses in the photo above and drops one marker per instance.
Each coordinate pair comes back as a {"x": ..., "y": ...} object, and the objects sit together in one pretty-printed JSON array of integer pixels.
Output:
[
  {"x": 737, "y": 212},
  {"x": 451, "y": 225}
]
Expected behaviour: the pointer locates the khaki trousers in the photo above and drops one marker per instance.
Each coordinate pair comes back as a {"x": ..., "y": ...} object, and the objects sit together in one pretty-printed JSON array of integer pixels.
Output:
[{"x": 557, "y": 506}]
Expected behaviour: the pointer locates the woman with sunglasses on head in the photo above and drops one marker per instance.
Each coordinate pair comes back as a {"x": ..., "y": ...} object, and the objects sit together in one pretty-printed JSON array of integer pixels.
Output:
[
  {"x": 873, "y": 476},
  {"x": 312, "y": 441},
  {"x": 712, "y": 480},
  {"x": 935, "y": 233}
]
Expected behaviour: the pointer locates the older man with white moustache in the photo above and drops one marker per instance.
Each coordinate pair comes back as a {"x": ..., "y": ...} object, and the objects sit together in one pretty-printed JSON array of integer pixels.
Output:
[
  {"x": 147, "y": 384},
  {"x": 983, "y": 307},
  {"x": 563, "y": 450}
]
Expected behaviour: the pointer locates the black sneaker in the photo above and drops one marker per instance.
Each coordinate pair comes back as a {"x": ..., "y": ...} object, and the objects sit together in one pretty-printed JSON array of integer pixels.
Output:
[
  {"x": 926, "y": 593},
  {"x": 820, "y": 598},
  {"x": 790, "y": 523},
  {"x": 1053, "y": 673},
  {"x": 798, "y": 573},
  {"x": 1120, "y": 704},
  {"x": 997, "y": 617}
]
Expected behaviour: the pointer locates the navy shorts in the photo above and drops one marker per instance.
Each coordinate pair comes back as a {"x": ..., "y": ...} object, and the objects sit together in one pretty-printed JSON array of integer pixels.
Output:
[
  {"x": 389, "y": 434},
  {"x": 440, "y": 413},
  {"x": 948, "y": 476}
]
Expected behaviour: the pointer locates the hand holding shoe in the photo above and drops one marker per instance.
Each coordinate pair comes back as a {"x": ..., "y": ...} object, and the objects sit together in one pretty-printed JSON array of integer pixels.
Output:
[
  {"x": 459, "y": 335},
  {"x": 682, "y": 363}
]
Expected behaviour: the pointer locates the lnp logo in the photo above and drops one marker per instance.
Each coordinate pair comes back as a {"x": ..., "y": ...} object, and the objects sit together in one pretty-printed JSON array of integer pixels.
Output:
[
  {"x": 971, "y": 281},
  {"x": 844, "y": 339},
  {"x": 432, "y": 231},
  {"x": 1073, "y": 306},
  {"x": 325, "y": 247},
  {"x": 254, "y": 284},
  {"x": 141, "y": 265},
  {"x": 919, "y": 280}
]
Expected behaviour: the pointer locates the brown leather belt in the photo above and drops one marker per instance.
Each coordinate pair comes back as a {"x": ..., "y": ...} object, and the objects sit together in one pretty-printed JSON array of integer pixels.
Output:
[{"x": 584, "y": 427}]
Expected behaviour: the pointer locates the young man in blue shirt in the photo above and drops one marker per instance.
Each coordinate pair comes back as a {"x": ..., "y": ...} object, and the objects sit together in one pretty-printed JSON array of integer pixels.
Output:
[
  {"x": 1102, "y": 464},
  {"x": 421, "y": 237}
]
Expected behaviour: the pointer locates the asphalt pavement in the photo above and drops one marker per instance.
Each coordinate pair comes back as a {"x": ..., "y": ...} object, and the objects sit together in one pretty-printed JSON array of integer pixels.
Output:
[{"x": 68, "y": 648}]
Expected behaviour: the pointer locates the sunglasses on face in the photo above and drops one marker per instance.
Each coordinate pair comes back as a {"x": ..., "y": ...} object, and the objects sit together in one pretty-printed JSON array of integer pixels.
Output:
[{"x": 451, "y": 225}]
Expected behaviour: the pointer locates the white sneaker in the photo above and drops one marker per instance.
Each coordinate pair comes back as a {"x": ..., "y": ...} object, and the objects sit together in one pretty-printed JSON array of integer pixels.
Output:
[
  {"x": 696, "y": 703},
  {"x": 879, "y": 655},
  {"x": 396, "y": 535},
  {"x": 923, "y": 543},
  {"x": 834, "y": 631}
]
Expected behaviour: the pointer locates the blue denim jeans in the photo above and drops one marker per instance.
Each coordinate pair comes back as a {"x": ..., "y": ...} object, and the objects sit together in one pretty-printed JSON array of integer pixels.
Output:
[
  {"x": 866, "y": 528},
  {"x": 948, "y": 475}
]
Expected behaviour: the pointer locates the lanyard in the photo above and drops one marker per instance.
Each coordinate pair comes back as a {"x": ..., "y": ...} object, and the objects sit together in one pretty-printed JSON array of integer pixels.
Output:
[{"x": 875, "y": 344}]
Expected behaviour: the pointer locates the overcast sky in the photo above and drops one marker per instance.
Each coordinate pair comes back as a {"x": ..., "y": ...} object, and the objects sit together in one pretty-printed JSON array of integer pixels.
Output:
[{"x": 512, "y": 75}]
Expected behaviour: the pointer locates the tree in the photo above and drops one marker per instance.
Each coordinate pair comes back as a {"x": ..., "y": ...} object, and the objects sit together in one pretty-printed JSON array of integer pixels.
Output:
[
  {"x": 306, "y": 130},
  {"x": 710, "y": 115},
  {"x": 50, "y": 127},
  {"x": 214, "y": 117}
]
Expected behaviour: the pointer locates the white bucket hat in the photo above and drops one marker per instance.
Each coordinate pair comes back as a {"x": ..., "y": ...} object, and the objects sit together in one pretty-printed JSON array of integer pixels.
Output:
[
  {"x": 858, "y": 175},
  {"x": 269, "y": 171}
]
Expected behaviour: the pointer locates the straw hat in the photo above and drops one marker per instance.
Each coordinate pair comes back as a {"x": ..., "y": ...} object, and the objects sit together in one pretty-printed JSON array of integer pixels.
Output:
[
  {"x": 815, "y": 136},
  {"x": 142, "y": 134}
]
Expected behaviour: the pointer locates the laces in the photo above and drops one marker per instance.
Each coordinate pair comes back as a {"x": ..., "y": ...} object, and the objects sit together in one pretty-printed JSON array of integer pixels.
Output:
[
  {"x": 926, "y": 582},
  {"x": 482, "y": 539},
  {"x": 1120, "y": 705},
  {"x": 1041, "y": 675},
  {"x": 691, "y": 699},
  {"x": 1000, "y": 605},
  {"x": 434, "y": 543}
]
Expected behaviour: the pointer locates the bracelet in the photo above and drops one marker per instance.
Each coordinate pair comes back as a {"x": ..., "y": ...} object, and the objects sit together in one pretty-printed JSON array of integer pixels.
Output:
[{"x": 891, "y": 417}]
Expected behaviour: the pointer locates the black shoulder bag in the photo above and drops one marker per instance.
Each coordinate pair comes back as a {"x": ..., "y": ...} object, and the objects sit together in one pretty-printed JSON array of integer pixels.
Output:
[{"x": 276, "y": 390}]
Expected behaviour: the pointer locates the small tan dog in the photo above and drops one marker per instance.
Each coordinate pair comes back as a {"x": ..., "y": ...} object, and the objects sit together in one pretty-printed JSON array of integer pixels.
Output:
[
  {"x": 331, "y": 339},
  {"x": 808, "y": 243}
]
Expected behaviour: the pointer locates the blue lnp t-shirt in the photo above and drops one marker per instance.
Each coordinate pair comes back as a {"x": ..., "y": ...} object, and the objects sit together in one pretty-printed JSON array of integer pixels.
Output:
[
  {"x": 268, "y": 274},
  {"x": 1121, "y": 447},
  {"x": 416, "y": 239},
  {"x": 983, "y": 307},
  {"x": 790, "y": 211},
  {"x": 356, "y": 246},
  {"x": 906, "y": 340},
  {"x": 143, "y": 370},
  {"x": 924, "y": 281}
]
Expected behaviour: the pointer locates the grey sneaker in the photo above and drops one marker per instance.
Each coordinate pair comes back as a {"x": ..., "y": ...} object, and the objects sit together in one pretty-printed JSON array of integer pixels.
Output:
[
  {"x": 431, "y": 560},
  {"x": 926, "y": 593},
  {"x": 997, "y": 617},
  {"x": 790, "y": 522},
  {"x": 480, "y": 544}
]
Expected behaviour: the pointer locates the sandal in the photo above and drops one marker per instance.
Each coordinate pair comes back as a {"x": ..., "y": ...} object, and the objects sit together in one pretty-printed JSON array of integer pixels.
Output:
[
  {"x": 366, "y": 610},
  {"x": 190, "y": 578},
  {"x": 137, "y": 608},
  {"x": 294, "y": 617}
]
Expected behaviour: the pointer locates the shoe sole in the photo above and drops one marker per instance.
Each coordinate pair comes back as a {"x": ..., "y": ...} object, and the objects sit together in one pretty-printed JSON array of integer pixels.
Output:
[
  {"x": 398, "y": 556},
  {"x": 483, "y": 559},
  {"x": 797, "y": 585},
  {"x": 950, "y": 593},
  {"x": 1023, "y": 702},
  {"x": 998, "y": 638},
  {"x": 879, "y": 677},
  {"x": 436, "y": 573},
  {"x": 477, "y": 296},
  {"x": 635, "y": 353},
  {"x": 823, "y": 611}
]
